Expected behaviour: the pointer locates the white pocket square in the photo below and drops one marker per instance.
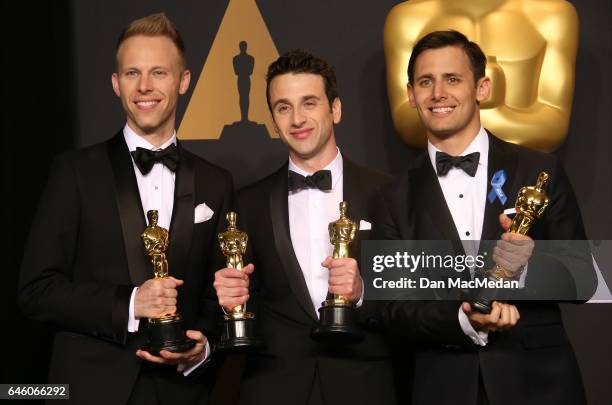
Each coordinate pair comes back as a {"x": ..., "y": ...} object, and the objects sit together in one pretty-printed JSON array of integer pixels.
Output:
[
  {"x": 202, "y": 213},
  {"x": 364, "y": 225}
]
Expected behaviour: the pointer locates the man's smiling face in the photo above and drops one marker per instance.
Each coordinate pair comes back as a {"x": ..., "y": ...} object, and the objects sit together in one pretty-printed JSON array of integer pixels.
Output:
[
  {"x": 150, "y": 76},
  {"x": 444, "y": 93}
]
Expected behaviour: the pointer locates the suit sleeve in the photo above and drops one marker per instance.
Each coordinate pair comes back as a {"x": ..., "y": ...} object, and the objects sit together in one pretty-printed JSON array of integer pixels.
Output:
[
  {"x": 47, "y": 290},
  {"x": 562, "y": 269},
  {"x": 423, "y": 322},
  {"x": 210, "y": 313}
]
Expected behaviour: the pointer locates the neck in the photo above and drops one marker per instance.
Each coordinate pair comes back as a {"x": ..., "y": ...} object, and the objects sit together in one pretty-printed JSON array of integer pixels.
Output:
[
  {"x": 457, "y": 143},
  {"x": 317, "y": 162},
  {"x": 157, "y": 137}
]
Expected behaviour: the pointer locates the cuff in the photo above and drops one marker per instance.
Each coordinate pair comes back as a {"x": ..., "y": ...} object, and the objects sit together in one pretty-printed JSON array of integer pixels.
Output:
[
  {"x": 479, "y": 338},
  {"x": 360, "y": 302},
  {"x": 133, "y": 323},
  {"x": 182, "y": 368}
]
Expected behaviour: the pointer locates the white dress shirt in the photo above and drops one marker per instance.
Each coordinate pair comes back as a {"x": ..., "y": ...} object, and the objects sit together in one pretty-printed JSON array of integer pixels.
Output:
[
  {"x": 310, "y": 212},
  {"x": 156, "y": 190},
  {"x": 466, "y": 198}
]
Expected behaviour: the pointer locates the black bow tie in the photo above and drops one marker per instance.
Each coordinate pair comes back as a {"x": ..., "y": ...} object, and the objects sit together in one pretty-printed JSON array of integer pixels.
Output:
[
  {"x": 469, "y": 163},
  {"x": 321, "y": 180},
  {"x": 145, "y": 158}
]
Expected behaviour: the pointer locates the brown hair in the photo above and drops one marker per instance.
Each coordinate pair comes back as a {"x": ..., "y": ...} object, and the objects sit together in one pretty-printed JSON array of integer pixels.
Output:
[
  {"x": 155, "y": 25},
  {"x": 442, "y": 39},
  {"x": 302, "y": 61}
]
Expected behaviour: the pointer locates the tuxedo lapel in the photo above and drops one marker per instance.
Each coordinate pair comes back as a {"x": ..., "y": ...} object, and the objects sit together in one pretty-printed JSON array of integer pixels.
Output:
[
  {"x": 279, "y": 214},
  {"x": 181, "y": 228},
  {"x": 352, "y": 193},
  {"x": 130, "y": 209},
  {"x": 499, "y": 159}
]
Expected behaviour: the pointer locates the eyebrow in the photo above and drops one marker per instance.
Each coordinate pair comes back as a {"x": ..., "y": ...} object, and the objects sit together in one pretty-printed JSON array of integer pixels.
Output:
[
  {"x": 445, "y": 75},
  {"x": 304, "y": 98}
]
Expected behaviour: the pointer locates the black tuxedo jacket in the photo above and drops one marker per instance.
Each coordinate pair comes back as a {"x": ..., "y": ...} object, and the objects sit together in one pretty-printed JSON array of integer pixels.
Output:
[
  {"x": 533, "y": 362},
  {"x": 285, "y": 371},
  {"x": 85, "y": 255}
]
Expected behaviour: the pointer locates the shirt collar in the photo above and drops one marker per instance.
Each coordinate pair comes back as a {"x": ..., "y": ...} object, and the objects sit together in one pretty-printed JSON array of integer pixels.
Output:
[
  {"x": 479, "y": 144},
  {"x": 133, "y": 140},
  {"x": 335, "y": 167}
]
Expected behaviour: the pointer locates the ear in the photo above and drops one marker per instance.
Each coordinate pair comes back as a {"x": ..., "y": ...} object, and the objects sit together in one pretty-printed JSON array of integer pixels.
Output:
[
  {"x": 185, "y": 79},
  {"x": 411, "y": 95},
  {"x": 337, "y": 110},
  {"x": 115, "y": 82},
  {"x": 483, "y": 89}
]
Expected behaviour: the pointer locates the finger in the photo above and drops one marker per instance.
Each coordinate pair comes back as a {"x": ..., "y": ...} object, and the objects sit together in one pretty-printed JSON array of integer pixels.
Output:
[
  {"x": 197, "y": 336},
  {"x": 504, "y": 316},
  {"x": 327, "y": 262},
  {"x": 143, "y": 354},
  {"x": 493, "y": 317},
  {"x": 504, "y": 221},
  {"x": 466, "y": 307},
  {"x": 230, "y": 274},
  {"x": 232, "y": 283},
  {"x": 169, "y": 282},
  {"x": 249, "y": 268},
  {"x": 229, "y": 303},
  {"x": 513, "y": 315},
  {"x": 170, "y": 293}
]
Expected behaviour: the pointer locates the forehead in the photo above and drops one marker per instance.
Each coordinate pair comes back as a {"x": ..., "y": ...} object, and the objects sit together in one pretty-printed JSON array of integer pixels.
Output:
[
  {"x": 147, "y": 50},
  {"x": 450, "y": 59},
  {"x": 294, "y": 86}
]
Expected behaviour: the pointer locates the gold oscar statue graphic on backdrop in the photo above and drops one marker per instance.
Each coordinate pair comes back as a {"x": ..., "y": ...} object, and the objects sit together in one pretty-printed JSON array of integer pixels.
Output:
[
  {"x": 166, "y": 331},
  {"x": 531, "y": 50},
  {"x": 530, "y": 205},
  {"x": 238, "y": 332},
  {"x": 337, "y": 318},
  {"x": 217, "y": 100}
]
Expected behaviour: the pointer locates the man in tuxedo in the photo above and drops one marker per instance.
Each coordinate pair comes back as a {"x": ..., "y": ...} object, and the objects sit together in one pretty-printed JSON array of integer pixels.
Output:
[
  {"x": 464, "y": 357},
  {"x": 85, "y": 269},
  {"x": 286, "y": 216}
]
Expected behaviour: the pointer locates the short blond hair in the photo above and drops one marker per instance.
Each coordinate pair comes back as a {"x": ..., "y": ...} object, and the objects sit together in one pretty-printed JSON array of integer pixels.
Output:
[{"x": 155, "y": 25}]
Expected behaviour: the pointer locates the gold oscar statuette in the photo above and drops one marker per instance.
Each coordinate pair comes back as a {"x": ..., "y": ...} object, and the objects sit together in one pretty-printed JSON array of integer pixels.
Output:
[
  {"x": 530, "y": 205},
  {"x": 337, "y": 318},
  {"x": 166, "y": 331},
  {"x": 238, "y": 331}
]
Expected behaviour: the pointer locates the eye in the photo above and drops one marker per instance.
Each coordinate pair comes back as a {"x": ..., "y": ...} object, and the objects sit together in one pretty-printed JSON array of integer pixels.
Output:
[
  {"x": 453, "y": 80},
  {"x": 131, "y": 73},
  {"x": 159, "y": 73},
  {"x": 425, "y": 82},
  {"x": 310, "y": 104},
  {"x": 282, "y": 109}
]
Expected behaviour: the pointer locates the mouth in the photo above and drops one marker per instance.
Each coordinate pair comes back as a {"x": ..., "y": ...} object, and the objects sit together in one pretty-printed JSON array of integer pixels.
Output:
[
  {"x": 301, "y": 133},
  {"x": 442, "y": 111},
  {"x": 146, "y": 104}
]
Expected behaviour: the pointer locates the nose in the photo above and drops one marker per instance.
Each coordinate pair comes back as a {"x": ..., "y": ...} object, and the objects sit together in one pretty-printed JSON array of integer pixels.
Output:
[
  {"x": 144, "y": 83},
  {"x": 438, "y": 90},
  {"x": 298, "y": 118}
]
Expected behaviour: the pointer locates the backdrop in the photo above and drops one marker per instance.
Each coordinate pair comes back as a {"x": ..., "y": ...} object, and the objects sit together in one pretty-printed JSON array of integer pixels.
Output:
[{"x": 59, "y": 96}]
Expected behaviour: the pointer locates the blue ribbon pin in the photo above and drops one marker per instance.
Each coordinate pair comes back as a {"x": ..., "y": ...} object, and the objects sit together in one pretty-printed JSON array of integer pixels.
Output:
[{"x": 498, "y": 180}]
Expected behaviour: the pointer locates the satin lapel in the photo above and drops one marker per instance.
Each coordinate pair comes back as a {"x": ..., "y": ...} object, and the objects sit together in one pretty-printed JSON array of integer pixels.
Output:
[
  {"x": 352, "y": 193},
  {"x": 499, "y": 159},
  {"x": 279, "y": 214},
  {"x": 430, "y": 199},
  {"x": 181, "y": 227},
  {"x": 130, "y": 209}
]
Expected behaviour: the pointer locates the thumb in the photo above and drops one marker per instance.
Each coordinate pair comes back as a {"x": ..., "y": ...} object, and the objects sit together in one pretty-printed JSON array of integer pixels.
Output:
[
  {"x": 177, "y": 281},
  {"x": 249, "y": 268},
  {"x": 326, "y": 262},
  {"x": 466, "y": 307},
  {"x": 505, "y": 221}
]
